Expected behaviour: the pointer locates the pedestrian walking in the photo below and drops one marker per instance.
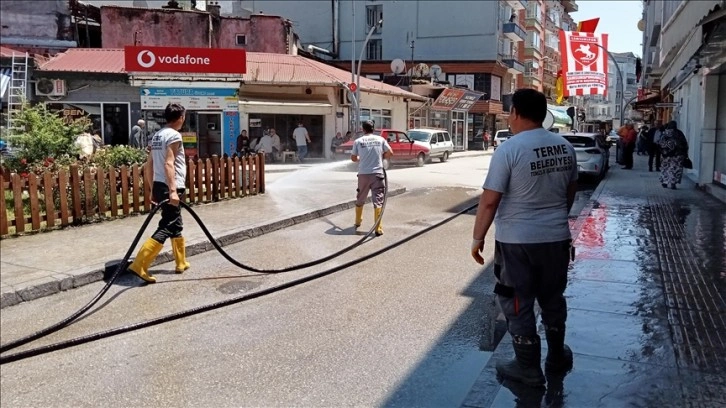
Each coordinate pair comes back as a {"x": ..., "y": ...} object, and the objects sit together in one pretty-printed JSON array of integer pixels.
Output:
[
  {"x": 628, "y": 138},
  {"x": 653, "y": 137},
  {"x": 369, "y": 151},
  {"x": 137, "y": 138},
  {"x": 302, "y": 138},
  {"x": 674, "y": 147},
  {"x": 169, "y": 176},
  {"x": 530, "y": 187}
]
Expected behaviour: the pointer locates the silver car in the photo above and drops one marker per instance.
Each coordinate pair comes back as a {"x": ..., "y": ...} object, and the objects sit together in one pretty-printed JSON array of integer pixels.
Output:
[{"x": 593, "y": 152}]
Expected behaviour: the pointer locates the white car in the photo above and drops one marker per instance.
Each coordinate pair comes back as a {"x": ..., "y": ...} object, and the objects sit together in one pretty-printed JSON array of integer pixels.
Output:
[
  {"x": 500, "y": 137},
  {"x": 437, "y": 140},
  {"x": 593, "y": 152}
]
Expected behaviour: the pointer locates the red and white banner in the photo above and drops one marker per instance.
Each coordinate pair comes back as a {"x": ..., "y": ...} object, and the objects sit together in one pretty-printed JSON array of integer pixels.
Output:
[
  {"x": 584, "y": 63},
  {"x": 185, "y": 60}
]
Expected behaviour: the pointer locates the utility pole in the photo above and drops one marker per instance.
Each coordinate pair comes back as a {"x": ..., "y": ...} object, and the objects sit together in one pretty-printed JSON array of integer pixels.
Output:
[{"x": 413, "y": 47}]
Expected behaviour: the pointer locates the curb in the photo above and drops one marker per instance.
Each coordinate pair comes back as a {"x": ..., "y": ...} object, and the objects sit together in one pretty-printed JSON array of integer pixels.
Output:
[{"x": 58, "y": 282}]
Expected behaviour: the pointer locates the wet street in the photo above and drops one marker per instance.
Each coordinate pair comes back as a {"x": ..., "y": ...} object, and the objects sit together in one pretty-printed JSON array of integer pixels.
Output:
[{"x": 413, "y": 326}]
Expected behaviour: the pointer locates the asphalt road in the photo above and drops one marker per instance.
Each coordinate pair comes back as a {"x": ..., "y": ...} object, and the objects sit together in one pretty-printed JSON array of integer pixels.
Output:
[{"x": 402, "y": 329}]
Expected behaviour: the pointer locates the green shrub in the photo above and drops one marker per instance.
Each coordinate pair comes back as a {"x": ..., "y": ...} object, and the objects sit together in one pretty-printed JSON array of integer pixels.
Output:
[
  {"x": 44, "y": 135},
  {"x": 117, "y": 156}
]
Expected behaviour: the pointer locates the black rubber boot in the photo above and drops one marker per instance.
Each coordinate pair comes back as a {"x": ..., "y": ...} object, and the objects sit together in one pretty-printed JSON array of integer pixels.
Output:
[
  {"x": 525, "y": 367},
  {"x": 559, "y": 355}
]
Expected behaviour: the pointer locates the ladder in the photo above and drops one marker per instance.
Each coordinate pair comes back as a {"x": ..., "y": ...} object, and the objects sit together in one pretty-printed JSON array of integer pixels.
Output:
[{"x": 18, "y": 88}]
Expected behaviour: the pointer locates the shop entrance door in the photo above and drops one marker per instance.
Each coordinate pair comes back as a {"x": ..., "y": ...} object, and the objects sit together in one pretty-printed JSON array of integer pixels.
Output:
[
  {"x": 458, "y": 125},
  {"x": 209, "y": 132}
]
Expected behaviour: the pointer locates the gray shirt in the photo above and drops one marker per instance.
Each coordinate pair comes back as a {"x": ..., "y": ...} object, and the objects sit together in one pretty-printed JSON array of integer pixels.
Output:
[
  {"x": 370, "y": 148},
  {"x": 532, "y": 171},
  {"x": 159, "y": 145}
]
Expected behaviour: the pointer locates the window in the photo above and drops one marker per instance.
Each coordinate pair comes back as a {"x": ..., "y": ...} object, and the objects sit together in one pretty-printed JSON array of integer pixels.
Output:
[
  {"x": 374, "y": 14},
  {"x": 533, "y": 40},
  {"x": 374, "y": 50},
  {"x": 241, "y": 39},
  {"x": 631, "y": 81},
  {"x": 533, "y": 10},
  {"x": 380, "y": 117}
]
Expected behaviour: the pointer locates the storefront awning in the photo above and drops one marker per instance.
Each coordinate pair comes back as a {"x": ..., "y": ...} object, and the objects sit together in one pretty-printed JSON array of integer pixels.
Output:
[
  {"x": 286, "y": 107},
  {"x": 4, "y": 83}
]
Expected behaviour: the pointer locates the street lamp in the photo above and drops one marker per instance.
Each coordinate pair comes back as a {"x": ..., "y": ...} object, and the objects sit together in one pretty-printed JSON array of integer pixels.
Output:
[
  {"x": 356, "y": 77},
  {"x": 622, "y": 82}
]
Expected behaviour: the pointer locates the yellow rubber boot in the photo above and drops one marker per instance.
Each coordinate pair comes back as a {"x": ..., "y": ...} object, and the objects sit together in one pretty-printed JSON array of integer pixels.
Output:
[
  {"x": 379, "y": 227},
  {"x": 358, "y": 215},
  {"x": 178, "y": 247},
  {"x": 146, "y": 255}
]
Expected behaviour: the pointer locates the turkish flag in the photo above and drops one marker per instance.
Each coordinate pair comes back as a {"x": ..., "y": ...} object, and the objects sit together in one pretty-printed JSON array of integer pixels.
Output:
[{"x": 588, "y": 26}]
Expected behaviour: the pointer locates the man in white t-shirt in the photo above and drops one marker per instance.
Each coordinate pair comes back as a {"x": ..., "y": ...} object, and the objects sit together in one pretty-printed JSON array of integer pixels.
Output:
[
  {"x": 369, "y": 151},
  {"x": 169, "y": 177},
  {"x": 302, "y": 138},
  {"x": 530, "y": 187}
]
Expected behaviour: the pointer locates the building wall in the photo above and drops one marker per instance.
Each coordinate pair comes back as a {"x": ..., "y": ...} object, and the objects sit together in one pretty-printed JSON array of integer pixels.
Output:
[
  {"x": 449, "y": 30},
  {"x": 128, "y": 26},
  {"x": 39, "y": 19}
]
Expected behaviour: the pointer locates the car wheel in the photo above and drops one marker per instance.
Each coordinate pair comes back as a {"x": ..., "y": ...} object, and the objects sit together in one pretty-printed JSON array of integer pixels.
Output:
[
  {"x": 445, "y": 157},
  {"x": 386, "y": 164},
  {"x": 420, "y": 160}
]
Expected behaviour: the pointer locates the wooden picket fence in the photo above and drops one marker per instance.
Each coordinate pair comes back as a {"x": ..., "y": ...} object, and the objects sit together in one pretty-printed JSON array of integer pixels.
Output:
[{"x": 74, "y": 196}]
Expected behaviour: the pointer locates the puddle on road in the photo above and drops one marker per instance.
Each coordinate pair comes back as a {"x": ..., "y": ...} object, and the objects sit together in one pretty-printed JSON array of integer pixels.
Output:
[{"x": 238, "y": 286}]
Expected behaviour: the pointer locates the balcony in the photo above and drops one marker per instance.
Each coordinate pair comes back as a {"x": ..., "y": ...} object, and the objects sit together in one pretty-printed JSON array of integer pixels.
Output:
[
  {"x": 533, "y": 20},
  {"x": 517, "y": 4},
  {"x": 514, "y": 32},
  {"x": 570, "y": 6},
  {"x": 532, "y": 51},
  {"x": 514, "y": 67}
]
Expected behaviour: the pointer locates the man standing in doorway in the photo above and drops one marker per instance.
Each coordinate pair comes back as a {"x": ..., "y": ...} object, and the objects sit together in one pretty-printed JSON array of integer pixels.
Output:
[
  {"x": 169, "y": 176},
  {"x": 530, "y": 187},
  {"x": 369, "y": 151},
  {"x": 300, "y": 134}
]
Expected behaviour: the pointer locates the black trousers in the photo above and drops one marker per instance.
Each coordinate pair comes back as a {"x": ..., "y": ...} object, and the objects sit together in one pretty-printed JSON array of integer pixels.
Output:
[
  {"x": 628, "y": 155},
  {"x": 170, "y": 225},
  {"x": 654, "y": 152},
  {"x": 527, "y": 272}
]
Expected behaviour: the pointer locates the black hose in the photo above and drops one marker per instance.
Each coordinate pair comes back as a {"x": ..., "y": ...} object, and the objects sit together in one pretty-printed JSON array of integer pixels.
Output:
[
  {"x": 68, "y": 320},
  {"x": 122, "y": 266},
  {"x": 201, "y": 309},
  {"x": 324, "y": 259}
]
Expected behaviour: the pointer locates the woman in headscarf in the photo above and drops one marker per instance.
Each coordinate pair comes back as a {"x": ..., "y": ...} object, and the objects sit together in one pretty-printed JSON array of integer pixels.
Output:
[{"x": 674, "y": 150}]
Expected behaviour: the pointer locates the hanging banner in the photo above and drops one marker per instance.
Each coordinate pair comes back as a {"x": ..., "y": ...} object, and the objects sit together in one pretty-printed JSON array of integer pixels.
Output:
[{"x": 584, "y": 63}]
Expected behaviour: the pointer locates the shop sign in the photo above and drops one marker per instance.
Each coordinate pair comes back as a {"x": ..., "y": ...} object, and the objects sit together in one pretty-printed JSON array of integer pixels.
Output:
[
  {"x": 456, "y": 99},
  {"x": 189, "y": 140},
  {"x": 190, "y": 98},
  {"x": 185, "y": 60},
  {"x": 230, "y": 131}
]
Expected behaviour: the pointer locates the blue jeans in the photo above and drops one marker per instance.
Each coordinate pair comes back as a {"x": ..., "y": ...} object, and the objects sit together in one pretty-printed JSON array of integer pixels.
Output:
[{"x": 302, "y": 152}]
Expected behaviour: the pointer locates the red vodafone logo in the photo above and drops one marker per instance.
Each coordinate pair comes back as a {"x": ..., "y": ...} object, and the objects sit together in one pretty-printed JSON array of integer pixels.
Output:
[{"x": 185, "y": 60}]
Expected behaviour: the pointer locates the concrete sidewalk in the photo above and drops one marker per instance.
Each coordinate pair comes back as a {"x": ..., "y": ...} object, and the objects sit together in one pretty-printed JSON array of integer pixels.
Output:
[
  {"x": 39, "y": 265},
  {"x": 646, "y": 299}
]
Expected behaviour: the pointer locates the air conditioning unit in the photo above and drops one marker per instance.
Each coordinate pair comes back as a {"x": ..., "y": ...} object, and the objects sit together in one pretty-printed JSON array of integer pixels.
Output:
[
  {"x": 50, "y": 87},
  {"x": 343, "y": 97}
]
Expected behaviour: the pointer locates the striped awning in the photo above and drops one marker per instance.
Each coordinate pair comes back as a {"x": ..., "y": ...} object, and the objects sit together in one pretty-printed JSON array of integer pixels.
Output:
[{"x": 5, "y": 76}]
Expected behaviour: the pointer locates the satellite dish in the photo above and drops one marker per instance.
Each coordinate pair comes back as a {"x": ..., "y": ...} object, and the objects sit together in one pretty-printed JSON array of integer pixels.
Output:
[
  {"x": 435, "y": 71},
  {"x": 641, "y": 25},
  {"x": 398, "y": 66},
  {"x": 422, "y": 70},
  {"x": 549, "y": 120}
]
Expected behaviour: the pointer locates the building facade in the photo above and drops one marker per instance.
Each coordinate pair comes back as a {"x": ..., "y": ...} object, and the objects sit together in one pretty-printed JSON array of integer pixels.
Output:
[{"x": 684, "y": 48}]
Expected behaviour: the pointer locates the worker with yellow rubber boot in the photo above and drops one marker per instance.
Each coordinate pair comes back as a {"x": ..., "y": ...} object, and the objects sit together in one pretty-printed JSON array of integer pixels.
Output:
[
  {"x": 369, "y": 151},
  {"x": 167, "y": 161}
]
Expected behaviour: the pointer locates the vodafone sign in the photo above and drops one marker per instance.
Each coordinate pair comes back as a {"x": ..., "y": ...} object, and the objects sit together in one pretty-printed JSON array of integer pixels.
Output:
[{"x": 185, "y": 60}]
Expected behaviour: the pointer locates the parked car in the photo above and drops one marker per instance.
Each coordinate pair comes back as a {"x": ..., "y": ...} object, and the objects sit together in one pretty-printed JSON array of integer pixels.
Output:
[
  {"x": 477, "y": 143},
  {"x": 593, "y": 153},
  {"x": 500, "y": 137},
  {"x": 438, "y": 141},
  {"x": 404, "y": 149}
]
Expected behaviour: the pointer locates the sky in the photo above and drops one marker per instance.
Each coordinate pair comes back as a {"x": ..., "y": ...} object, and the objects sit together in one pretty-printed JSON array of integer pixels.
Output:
[{"x": 618, "y": 19}]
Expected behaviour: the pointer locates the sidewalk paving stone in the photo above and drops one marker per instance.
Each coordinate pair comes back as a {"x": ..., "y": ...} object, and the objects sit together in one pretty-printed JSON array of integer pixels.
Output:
[{"x": 647, "y": 315}]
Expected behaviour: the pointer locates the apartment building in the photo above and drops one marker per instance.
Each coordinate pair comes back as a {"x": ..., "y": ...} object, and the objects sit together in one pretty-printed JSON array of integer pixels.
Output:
[
  {"x": 557, "y": 17},
  {"x": 684, "y": 57}
]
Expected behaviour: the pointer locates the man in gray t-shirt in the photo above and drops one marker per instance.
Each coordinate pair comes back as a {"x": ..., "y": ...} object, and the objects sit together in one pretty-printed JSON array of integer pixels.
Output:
[
  {"x": 530, "y": 186},
  {"x": 169, "y": 181},
  {"x": 369, "y": 151}
]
